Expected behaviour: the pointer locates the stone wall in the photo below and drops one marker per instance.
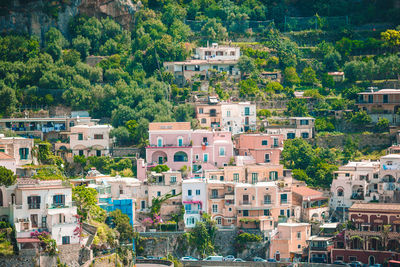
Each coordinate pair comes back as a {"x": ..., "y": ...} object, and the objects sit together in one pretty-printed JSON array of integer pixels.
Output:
[
  {"x": 252, "y": 264},
  {"x": 373, "y": 141},
  {"x": 69, "y": 254}
]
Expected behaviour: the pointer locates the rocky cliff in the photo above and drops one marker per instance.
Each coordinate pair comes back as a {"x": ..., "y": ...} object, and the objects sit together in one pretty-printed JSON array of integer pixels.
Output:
[{"x": 37, "y": 16}]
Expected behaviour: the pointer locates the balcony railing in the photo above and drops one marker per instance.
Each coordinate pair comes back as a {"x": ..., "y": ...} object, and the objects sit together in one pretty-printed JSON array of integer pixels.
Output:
[
  {"x": 318, "y": 248},
  {"x": 217, "y": 197},
  {"x": 61, "y": 205},
  {"x": 34, "y": 206},
  {"x": 266, "y": 202},
  {"x": 245, "y": 202},
  {"x": 170, "y": 146},
  {"x": 192, "y": 211}
]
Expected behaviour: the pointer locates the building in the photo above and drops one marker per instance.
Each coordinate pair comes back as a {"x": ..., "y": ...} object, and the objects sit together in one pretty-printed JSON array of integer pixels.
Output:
[
  {"x": 381, "y": 104},
  {"x": 18, "y": 148},
  {"x": 264, "y": 148},
  {"x": 194, "y": 200},
  {"x": 366, "y": 182},
  {"x": 288, "y": 241},
  {"x": 209, "y": 113},
  {"x": 337, "y": 76},
  {"x": 34, "y": 205},
  {"x": 292, "y": 127},
  {"x": 314, "y": 205},
  {"x": 221, "y": 201},
  {"x": 8, "y": 162},
  {"x": 179, "y": 147},
  {"x": 46, "y": 127},
  {"x": 238, "y": 117},
  {"x": 207, "y": 60},
  {"x": 374, "y": 237},
  {"x": 90, "y": 140}
]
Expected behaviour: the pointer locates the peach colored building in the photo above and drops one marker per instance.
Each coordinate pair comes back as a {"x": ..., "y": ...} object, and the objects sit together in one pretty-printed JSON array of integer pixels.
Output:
[
  {"x": 209, "y": 114},
  {"x": 221, "y": 199},
  {"x": 20, "y": 149},
  {"x": 264, "y": 148},
  {"x": 289, "y": 240},
  {"x": 90, "y": 140},
  {"x": 314, "y": 205},
  {"x": 262, "y": 204}
]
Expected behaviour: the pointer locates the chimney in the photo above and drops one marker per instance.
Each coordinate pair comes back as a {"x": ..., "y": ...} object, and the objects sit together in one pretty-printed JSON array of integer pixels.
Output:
[{"x": 141, "y": 167}]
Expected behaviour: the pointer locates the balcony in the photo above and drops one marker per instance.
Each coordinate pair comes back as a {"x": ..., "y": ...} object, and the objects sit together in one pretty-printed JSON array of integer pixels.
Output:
[
  {"x": 61, "y": 205},
  {"x": 266, "y": 202},
  {"x": 217, "y": 197},
  {"x": 170, "y": 146},
  {"x": 34, "y": 206},
  {"x": 243, "y": 203},
  {"x": 356, "y": 196},
  {"x": 192, "y": 211}
]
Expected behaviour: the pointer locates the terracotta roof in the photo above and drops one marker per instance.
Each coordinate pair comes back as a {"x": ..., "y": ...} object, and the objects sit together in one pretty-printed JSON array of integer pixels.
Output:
[
  {"x": 171, "y": 126},
  {"x": 28, "y": 240},
  {"x": 5, "y": 156},
  {"x": 304, "y": 191},
  {"x": 391, "y": 207}
]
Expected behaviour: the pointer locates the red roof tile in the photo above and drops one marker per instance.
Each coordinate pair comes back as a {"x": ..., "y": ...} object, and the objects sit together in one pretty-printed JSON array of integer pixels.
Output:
[{"x": 5, "y": 156}]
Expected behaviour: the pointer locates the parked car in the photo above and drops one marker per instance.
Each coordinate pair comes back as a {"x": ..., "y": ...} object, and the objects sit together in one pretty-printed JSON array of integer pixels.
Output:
[
  {"x": 271, "y": 260},
  {"x": 229, "y": 258},
  {"x": 188, "y": 258},
  {"x": 356, "y": 264},
  {"x": 152, "y": 258},
  {"x": 239, "y": 260},
  {"x": 140, "y": 258},
  {"x": 214, "y": 258},
  {"x": 259, "y": 259},
  {"x": 340, "y": 263}
]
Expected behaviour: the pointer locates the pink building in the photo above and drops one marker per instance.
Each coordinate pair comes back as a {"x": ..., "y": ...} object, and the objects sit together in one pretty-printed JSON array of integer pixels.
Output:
[
  {"x": 264, "y": 148},
  {"x": 314, "y": 205},
  {"x": 289, "y": 240},
  {"x": 176, "y": 145}
]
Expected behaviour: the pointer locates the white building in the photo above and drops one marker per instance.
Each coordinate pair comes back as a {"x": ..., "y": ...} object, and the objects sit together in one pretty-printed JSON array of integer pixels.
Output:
[
  {"x": 194, "y": 199},
  {"x": 291, "y": 127},
  {"x": 218, "y": 52},
  {"x": 238, "y": 117},
  {"x": 90, "y": 140},
  {"x": 8, "y": 162},
  {"x": 20, "y": 149},
  {"x": 34, "y": 205}
]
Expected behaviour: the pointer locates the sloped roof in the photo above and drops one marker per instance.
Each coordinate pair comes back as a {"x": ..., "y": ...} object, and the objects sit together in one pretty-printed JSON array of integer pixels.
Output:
[
  {"x": 389, "y": 207},
  {"x": 305, "y": 191},
  {"x": 4, "y": 156}
]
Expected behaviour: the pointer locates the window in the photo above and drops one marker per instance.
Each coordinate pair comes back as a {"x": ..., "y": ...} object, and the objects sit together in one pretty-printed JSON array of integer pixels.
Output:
[
  {"x": 303, "y": 122},
  {"x": 205, "y": 140},
  {"x": 23, "y": 153},
  {"x": 188, "y": 207},
  {"x": 267, "y": 199},
  {"x": 370, "y": 99},
  {"x": 180, "y": 157},
  {"x": 298, "y": 246},
  {"x": 219, "y": 221},
  {"x": 284, "y": 199},
  {"x": 232, "y": 53},
  {"x": 245, "y": 213},
  {"x": 98, "y": 153},
  {"x": 291, "y": 135},
  {"x": 222, "y": 151},
  {"x": 205, "y": 157},
  {"x": 246, "y": 111},
  {"x": 353, "y": 258},
  {"x": 304, "y": 135},
  {"x": 282, "y": 212},
  {"x": 80, "y": 136},
  {"x": 173, "y": 192},
  {"x": 34, "y": 202},
  {"x": 80, "y": 152},
  {"x": 264, "y": 142},
  {"x": 159, "y": 142},
  {"x": 228, "y": 113},
  {"x": 273, "y": 175},
  {"x": 214, "y": 193},
  {"x": 98, "y": 136},
  {"x": 61, "y": 218},
  {"x": 385, "y": 99},
  {"x": 214, "y": 208},
  {"x": 201, "y": 111},
  {"x": 44, "y": 221},
  {"x": 254, "y": 177},
  {"x": 298, "y": 235},
  {"x": 276, "y": 142},
  {"x": 340, "y": 192},
  {"x": 236, "y": 177},
  {"x": 65, "y": 240},
  {"x": 207, "y": 53},
  {"x": 197, "y": 192},
  {"x": 173, "y": 179},
  {"x": 34, "y": 220},
  {"x": 267, "y": 213},
  {"x": 59, "y": 200},
  {"x": 159, "y": 193},
  {"x": 347, "y": 174},
  {"x": 221, "y": 178},
  {"x": 189, "y": 192},
  {"x": 266, "y": 158},
  {"x": 180, "y": 141},
  {"x": 246, "y": 199},
  {"x": 203, "y": 120}
]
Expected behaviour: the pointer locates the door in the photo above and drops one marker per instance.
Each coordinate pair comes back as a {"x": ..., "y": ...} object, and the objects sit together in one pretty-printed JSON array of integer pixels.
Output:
[
  {"x": 143, "y": 205},
  {"x": 34, "y": 220},
  {"x": 160, "y": 160}
]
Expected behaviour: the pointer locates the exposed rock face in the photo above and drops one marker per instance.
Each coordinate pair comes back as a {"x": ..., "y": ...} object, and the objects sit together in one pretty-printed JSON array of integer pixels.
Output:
[{"x": 36, "y": 17}]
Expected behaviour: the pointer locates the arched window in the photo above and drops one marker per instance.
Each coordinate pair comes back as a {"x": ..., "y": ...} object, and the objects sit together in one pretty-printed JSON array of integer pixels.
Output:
[
  {"x": 340, "y": 192},
  {"x": 180, "y": 157}
]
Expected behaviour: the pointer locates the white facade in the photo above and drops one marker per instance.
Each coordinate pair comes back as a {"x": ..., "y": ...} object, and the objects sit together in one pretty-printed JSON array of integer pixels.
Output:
[
  {"x": 194, "y": 199},
  {"x": 354, "y": 182},
  {"x": 238, "y": 117},
  {"x": 292, "y": 127},
  {"x": 43, "y": 205},
  {"x": 19, "y": 148},
  {"x": 218, "y": 52},
  {"x": 90, "y": 140},
  {"x": 8, "y": 162}
]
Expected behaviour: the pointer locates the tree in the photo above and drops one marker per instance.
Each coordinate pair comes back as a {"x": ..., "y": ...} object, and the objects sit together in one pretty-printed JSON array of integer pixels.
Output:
[
  {"x": 122, "y": 225},
  {"x": 82, "y": 45},
  {"x": 297, "y": 108},
  {"x": 7, "y": 177},
  {"x": 8, "y": 100},
  {"x": 248, "y": 88},
  {"x": 86, "y": 201},
  {"x": 290, "y": 76},
  {"x": 246, "y": 65},
  {"x": 213, "y": 30},
  {"x": 391, "y": 39},
  {"x": 297, "y": 154},
  {"x": 308, "y": 76},
  {"x": 122, "y": 135},
  {"x": 382, "y": 125},
  {"x": 160, "y": 168},
  {"x": 71, "y": 57},
  {"x": 361, "y": 118},
  {"x": 274, "y": 87},
  {"x": 184, "y": 112},
  {"x": 332, "y": 60}
]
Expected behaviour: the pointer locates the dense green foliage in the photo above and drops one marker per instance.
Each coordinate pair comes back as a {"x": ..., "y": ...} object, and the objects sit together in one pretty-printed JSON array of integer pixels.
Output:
[{"x": 7, "y": 177}]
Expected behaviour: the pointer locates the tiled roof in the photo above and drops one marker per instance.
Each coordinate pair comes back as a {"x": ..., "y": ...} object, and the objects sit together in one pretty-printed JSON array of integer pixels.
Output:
[
  {"x": 376, "y": 207},
  {"x": 5, "y": 156},
  {"x": 171, "y": 126},
  {"x": 304, "y": 191}
]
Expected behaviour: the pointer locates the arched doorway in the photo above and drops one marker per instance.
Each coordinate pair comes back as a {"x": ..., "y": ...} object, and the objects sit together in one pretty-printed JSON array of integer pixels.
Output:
[
  {"x": 371, "y": 260},
  {"x": 1, "y": 198}
]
